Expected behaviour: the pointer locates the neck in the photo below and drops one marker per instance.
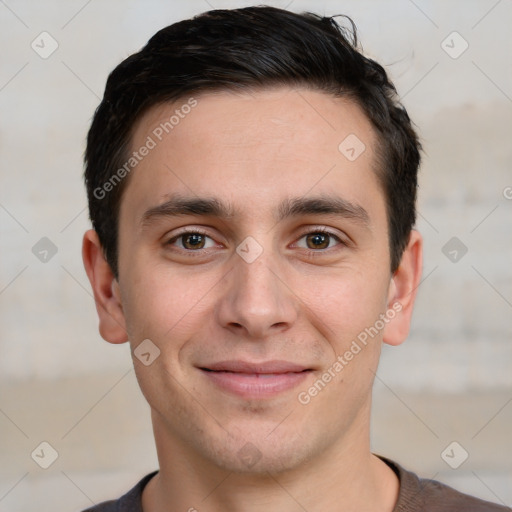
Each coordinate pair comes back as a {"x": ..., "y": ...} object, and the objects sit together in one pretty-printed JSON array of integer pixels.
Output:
[{"x": 344, "y": 477}]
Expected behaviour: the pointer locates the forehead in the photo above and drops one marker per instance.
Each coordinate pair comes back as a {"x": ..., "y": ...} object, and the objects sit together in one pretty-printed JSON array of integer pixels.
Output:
[{"x": 253, "y": 148}]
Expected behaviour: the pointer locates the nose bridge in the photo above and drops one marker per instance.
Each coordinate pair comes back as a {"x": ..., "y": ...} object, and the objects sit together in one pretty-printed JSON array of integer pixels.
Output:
[
  {"x": 255, "y": 298},
  {"x": 256, "y": 282}
]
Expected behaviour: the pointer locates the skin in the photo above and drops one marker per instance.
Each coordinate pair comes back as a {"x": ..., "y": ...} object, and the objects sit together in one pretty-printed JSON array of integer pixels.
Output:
[{"x": 295, "y": 302}]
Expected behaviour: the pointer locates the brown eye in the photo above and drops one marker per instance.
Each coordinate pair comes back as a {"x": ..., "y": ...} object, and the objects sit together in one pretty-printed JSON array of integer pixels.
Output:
[
  {"x": 318, "y": 240},
  {"x": 192, "y": 241}
]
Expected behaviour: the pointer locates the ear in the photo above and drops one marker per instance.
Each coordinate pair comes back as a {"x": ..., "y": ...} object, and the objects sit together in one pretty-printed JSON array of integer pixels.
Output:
[
  {"x": 402, "y": 291},
  {"x": 112, "y": 324}
]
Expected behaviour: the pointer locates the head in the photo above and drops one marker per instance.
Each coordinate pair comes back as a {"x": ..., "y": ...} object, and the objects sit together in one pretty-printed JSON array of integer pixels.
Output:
[
  {"x": 286, "y": 155},
  {"x": 246, "y": 49}
]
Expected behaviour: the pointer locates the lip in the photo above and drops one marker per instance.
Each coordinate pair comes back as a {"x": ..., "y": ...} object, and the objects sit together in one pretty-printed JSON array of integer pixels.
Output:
[{"x": 255, "y": 380}]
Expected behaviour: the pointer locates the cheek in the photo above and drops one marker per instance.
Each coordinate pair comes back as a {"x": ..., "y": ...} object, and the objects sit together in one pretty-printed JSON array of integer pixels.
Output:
[
  {"x": 347, "y": 303},
  {"x": 168, "y": 311},
  {"x": 345, "y": 312},
  {"x": 162, "y": 305}
]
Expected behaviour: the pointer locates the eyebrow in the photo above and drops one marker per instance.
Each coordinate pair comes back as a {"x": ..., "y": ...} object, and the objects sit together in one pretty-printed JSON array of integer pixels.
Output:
[
  {"x": 322, "y": 205},
  {"x": 211, "y": 207},
  {"x": 179, "y": 206}
]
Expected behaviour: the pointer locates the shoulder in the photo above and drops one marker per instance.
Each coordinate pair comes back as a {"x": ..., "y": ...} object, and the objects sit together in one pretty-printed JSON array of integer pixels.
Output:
[
  {"x": 106, "y": 506},
  {"x": 129, "y": 502},
  {"x": 424, "y": 495}
]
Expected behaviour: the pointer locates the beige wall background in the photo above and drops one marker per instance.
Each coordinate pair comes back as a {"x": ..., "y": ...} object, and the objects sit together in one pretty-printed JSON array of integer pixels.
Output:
[{"x": 62, "y": 384}]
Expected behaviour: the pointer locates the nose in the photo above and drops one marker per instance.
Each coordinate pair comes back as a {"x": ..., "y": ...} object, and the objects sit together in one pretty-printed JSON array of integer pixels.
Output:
[{"x": 257, "y": 302}]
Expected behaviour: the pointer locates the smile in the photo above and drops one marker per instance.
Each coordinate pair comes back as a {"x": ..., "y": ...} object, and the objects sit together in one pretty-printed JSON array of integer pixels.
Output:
[{"x": 255, "y": 380}]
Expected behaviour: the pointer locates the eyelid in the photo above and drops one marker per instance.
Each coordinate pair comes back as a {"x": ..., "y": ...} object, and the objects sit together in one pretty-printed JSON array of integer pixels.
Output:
[
  {"x": 188, "y": 231},
  {"x": 343, "y": 240},
  {"x": 318, "y": 229}
]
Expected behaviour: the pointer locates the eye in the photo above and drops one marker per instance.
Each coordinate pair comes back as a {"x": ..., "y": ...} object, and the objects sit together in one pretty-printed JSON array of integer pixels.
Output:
[
  {"x": 318, "y": 240},
  {"x": 192, "y": 241}
]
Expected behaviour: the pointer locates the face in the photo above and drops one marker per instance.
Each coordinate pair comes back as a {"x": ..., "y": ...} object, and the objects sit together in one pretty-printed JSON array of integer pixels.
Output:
[{"x": 253, "y": 254}]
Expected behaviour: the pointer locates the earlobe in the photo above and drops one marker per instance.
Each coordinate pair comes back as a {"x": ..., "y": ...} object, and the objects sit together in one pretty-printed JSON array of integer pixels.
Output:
[
  {"x": 403, "y": 289},
  {"x": 112, "y": 324}
]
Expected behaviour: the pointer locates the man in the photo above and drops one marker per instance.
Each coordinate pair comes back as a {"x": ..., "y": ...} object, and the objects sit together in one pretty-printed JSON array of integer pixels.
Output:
[{"x": 252, "y": 183}]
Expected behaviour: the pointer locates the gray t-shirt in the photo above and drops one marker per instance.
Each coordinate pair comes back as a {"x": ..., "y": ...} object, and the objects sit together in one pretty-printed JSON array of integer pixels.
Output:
[{"x": 416, "y": 495}]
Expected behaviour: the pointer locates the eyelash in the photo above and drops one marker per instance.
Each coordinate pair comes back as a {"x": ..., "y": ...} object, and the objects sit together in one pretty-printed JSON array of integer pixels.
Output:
[
  {"x": 185, "y": 233},
  {"x": 313, "y": 252}
]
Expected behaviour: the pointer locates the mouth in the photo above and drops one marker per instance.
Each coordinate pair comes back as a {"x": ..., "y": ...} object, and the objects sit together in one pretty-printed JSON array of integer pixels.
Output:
[{"x": 256, "y": 380}]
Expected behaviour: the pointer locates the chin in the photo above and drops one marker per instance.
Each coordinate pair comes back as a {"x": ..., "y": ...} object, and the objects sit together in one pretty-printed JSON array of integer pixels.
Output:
[
  {"x": 256, "y": 462},
  {"x": 257, "y": 453}
]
